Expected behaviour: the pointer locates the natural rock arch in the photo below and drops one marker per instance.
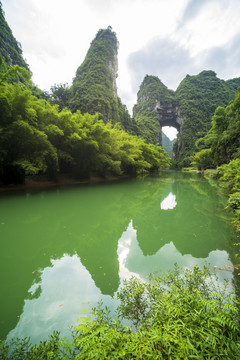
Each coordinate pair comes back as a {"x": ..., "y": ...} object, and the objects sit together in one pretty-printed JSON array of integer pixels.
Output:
[{"x": 169, "y": 115}]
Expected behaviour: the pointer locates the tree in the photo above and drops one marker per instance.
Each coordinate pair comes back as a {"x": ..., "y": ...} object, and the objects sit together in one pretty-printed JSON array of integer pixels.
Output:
[
  {"x": 203, "y": 159},
  {"x": 60, "y": 95}
]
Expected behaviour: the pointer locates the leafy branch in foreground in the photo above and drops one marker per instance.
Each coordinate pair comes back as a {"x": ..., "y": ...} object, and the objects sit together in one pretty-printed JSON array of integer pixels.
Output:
[
  {"x": 179, "y": 315},
  {"x": 55, "y": 348},
  {"x": 176, "y": 316}
]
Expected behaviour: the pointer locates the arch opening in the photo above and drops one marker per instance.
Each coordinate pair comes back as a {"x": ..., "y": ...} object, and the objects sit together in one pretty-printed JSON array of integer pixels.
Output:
[{"x": 169, "y": 135}]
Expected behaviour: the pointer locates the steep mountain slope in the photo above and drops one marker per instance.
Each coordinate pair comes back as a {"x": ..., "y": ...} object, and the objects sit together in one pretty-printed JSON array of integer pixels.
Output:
[
  {"x": 10, "y": 49},
  {"x": 94, "y": 87}
]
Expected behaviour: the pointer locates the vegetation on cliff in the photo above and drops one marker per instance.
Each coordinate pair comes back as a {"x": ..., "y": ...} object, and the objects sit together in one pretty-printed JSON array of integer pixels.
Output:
[
  {"x": 94, "y": 86},
  {"x": 198, "y": 97},
  {"x": 10, "y": 48},
  {"x": 210, "y": 134},
  {"x": 151, "y": 93}
]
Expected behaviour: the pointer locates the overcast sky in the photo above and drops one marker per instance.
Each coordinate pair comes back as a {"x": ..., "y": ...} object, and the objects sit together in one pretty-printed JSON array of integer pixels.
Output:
[{"x": 166, "y": 38}]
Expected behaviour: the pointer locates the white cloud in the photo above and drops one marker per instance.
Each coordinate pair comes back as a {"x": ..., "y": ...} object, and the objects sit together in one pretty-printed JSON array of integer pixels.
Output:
[{"x": 163, "y": 58}]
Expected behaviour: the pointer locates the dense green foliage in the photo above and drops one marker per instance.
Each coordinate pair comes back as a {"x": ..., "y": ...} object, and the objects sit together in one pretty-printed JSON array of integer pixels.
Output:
[
  {"x": 174, "y": 316},
  {"x": 222, "y": 142},
  {"x": 152, "y": 91},
  {"x": 36, "y": 138},
  {"x": 55, "y": 348},
  {"x": 94, "y": 91},
  {"x": 228, "y": 176},
  {"x": 60, "y": 95}
]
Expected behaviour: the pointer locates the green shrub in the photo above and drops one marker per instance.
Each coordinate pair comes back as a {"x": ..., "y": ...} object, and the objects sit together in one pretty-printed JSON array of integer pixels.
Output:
[
  {"x": 54, "y": 348},
  {"x": 171, "y": 317},
  {"x": 179, "y": 315},
  {"x": 203, "y": 159}
]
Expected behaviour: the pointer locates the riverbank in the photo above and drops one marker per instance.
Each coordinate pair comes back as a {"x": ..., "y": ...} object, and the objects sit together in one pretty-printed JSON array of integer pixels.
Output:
[{"x": 41, "y": 181}]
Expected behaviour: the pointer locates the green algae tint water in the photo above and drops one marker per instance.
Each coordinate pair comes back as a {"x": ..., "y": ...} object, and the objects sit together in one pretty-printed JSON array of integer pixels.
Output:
[{"x": 64, "y": 249}]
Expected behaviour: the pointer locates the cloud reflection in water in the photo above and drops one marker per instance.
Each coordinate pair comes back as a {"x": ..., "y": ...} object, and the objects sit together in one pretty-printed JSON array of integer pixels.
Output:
[
  {"x": 67, "y": 286},
  {"x": 169, "y": 202}
]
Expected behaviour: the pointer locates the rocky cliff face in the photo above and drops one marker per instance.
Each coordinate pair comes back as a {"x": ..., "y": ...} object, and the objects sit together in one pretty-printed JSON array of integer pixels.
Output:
[
  {"x": 113, "y": 66},
  {"x": 169, "y": 115}
]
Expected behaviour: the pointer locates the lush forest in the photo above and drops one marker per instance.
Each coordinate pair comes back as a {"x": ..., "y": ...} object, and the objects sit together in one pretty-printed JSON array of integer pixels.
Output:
[
  {"x": 221, "y": 143},
  {"x": 37, "y": 138}
]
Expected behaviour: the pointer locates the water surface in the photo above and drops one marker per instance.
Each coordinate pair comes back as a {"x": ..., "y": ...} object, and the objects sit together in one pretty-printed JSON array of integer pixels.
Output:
[{"x": 64, "y": 249}]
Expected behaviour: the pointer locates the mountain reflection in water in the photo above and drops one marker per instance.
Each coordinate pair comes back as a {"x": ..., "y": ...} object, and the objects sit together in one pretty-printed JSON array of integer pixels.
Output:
[{"x": 64, "y": 249}]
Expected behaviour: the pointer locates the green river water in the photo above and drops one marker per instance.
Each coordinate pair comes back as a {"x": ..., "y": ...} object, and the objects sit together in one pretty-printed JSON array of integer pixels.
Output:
[{"x": 63, "y": 249}]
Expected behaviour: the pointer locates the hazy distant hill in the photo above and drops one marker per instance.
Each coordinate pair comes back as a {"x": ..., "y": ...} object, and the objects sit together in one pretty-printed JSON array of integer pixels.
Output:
[{"x": 167, "y": 144}]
